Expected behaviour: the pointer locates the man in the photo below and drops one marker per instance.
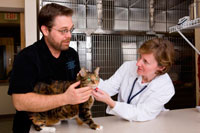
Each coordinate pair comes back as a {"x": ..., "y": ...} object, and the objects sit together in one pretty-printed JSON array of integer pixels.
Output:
[{"x": 46, "y": 60}]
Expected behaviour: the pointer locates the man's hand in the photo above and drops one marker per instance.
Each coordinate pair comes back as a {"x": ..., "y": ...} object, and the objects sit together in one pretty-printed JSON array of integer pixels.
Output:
[{"x": 76, "y": 96}]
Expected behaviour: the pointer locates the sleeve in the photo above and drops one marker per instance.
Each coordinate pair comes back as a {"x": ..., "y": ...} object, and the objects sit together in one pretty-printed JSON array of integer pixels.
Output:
[
  {"x": 146, "y": 110},
  {"x": 112, "y": 85},
  {"x": 23, "y": 75}
]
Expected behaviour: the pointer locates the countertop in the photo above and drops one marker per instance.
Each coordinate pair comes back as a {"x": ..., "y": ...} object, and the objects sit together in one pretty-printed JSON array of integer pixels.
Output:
[{"x": 173, "y": 121}]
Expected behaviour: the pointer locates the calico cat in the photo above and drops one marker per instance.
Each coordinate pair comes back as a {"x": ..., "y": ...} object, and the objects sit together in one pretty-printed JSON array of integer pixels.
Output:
[{"x": 81, "y": 112}]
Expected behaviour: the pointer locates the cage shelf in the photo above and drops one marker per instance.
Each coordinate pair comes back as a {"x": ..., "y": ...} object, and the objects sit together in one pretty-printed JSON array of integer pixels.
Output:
[
  {"x": 192, "y": 24},
  {"x": 187, "y": 25}
]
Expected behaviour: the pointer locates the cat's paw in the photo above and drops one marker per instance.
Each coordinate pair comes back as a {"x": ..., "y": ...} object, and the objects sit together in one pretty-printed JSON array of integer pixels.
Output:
[
  {"x": 79, "y": 121},
  {"x": 48, "y": 129},
  {"x": 99, "y": 127}
]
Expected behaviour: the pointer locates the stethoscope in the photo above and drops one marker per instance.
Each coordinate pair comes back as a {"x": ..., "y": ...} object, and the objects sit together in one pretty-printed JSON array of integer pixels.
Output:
[{"x": 131, "y": 98}]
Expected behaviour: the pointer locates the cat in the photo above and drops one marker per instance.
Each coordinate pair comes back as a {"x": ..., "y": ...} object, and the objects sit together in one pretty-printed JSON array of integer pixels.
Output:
[{"x": 81, "y": 112}]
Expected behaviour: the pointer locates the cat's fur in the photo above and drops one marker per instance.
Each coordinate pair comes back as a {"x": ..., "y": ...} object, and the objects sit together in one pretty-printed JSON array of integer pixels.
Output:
[{"x": 82, "y": 112}]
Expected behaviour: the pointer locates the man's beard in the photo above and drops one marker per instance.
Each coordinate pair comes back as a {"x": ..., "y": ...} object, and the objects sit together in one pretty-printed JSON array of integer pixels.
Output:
[{"x": 59, "y": 46}]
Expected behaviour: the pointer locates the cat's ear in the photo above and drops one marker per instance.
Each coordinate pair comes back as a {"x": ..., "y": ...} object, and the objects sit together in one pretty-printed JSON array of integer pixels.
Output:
[
  {"x": 82, "y": 72},
  {"x": 96, "y": 71}
]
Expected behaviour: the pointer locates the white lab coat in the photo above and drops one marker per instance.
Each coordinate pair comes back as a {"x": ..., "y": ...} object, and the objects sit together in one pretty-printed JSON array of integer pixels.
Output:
[{"x": 145, "y": 106}]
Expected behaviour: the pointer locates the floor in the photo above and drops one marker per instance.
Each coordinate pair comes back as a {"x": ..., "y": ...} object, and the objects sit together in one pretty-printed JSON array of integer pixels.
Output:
[{"x": 6, "y": 124}]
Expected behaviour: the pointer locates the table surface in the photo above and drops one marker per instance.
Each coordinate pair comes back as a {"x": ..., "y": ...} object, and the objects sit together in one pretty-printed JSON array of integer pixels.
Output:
[{"x": 174, "y": 121}]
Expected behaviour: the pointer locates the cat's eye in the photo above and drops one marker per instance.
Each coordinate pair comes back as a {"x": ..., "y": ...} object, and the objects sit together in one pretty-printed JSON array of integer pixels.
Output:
[{"x": 88, "y": 79}]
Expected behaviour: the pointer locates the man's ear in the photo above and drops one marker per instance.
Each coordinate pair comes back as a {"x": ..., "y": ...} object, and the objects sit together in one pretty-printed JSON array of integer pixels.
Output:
[{"x": 44, "y": 30}]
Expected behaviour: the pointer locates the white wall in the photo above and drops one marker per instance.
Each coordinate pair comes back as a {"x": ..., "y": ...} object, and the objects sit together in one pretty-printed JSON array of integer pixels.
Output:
[{"x": 30, "y": 22}]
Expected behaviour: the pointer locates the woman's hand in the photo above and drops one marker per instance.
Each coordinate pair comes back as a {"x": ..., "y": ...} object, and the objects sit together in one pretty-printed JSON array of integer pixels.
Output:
[{"x": 102, "y": 96}]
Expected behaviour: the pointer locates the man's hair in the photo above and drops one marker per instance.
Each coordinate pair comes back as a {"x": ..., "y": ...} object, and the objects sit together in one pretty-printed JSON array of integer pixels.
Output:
[
  {"x": 163, "y": 51},
  {"x": 48, "y": 13}
]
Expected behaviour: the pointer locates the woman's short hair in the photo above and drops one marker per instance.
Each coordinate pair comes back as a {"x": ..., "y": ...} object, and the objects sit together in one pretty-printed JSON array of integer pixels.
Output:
[
  {"x": 48, "y": 13},
  {"x": 163, "y": 51}
]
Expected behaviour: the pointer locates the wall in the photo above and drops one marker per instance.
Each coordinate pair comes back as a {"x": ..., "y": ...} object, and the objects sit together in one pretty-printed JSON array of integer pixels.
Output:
[
  {"x": 5, "y": 101},
  {"x": 12, "y": 3},
  {"x": 197, "y": 41},
  {"x": 30, "y": 22}
]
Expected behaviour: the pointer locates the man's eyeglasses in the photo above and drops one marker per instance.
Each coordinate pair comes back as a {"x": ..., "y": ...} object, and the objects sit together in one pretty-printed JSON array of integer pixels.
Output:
[{"x": 65, "y": 31}]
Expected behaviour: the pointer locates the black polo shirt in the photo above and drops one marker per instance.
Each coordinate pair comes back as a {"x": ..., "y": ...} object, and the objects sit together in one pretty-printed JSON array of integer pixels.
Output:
[{"x": 36, "y": 64}]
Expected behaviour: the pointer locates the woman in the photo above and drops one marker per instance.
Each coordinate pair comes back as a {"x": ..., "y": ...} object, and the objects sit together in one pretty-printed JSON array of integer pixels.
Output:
[{"x": 143, "y": 87}]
